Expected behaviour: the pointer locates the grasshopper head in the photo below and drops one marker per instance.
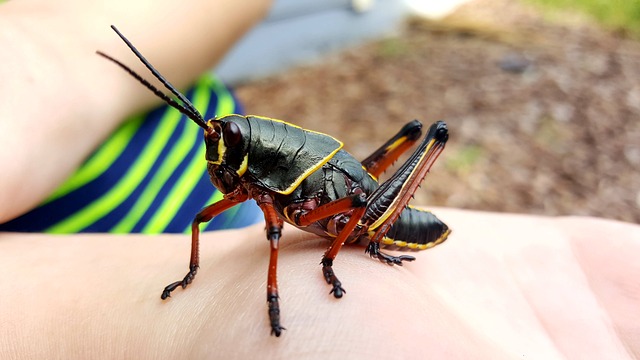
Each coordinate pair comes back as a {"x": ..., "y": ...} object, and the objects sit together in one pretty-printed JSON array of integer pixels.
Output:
[{"x": 226, "y": 153}]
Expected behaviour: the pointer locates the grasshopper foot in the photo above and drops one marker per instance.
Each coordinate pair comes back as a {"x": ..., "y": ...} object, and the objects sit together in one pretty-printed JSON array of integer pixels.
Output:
[
  {"x": 330, "y": 277},
  {"x": 184, "y": 282},
  {"x": 274, "y": 315},
  {"x": 374, "y": 251}
]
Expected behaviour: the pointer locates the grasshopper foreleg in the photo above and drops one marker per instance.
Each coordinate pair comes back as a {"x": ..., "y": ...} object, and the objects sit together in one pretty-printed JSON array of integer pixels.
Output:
[{"x": 205, "y": 215}]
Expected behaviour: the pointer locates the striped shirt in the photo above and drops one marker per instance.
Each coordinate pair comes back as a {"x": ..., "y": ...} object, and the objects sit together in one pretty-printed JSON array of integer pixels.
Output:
[{"x": 149, "y": 177}]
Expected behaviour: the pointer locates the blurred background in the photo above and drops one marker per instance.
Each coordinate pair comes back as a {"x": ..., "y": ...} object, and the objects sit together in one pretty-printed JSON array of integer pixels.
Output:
[{"x": 542, "y": 97}]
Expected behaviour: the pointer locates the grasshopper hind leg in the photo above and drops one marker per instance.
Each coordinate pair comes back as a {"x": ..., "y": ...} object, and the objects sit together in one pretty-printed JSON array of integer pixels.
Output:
[
  {"x": 391, "y": 199},
  {"x": 388, "y": 153}
]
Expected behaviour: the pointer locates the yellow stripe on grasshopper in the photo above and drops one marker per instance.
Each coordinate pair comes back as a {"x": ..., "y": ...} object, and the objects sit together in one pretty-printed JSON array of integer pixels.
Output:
[{"x": 394, "y": 204}]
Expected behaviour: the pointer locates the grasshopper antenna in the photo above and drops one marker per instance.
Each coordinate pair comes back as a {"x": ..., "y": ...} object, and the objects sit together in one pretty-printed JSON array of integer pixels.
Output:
[{"x": 186, "y": 107}]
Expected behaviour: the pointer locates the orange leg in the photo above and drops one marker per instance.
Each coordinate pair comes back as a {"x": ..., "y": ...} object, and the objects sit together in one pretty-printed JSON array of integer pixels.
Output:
[
  {"x": 388, "y": 153},
  {"x": 329, "y": 209},
  {"x": 205, "y": 215},
  {"x": 274, "y": 231},
  {"x": 357, "y": 205},
  {"x": 336, "y": 245}
]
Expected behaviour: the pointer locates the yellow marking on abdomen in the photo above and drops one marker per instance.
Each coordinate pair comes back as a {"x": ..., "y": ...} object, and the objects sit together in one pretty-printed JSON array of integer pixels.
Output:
[{"x": 415, "y": 246}]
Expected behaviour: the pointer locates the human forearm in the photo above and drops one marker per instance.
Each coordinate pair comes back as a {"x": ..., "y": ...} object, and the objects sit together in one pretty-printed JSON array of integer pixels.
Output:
[{"x": 502, "y": 286}]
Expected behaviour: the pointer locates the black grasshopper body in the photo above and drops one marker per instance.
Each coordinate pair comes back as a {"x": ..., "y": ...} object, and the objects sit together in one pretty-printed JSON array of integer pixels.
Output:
[
  {"x": 304, "y": 170},
  {"x": 305, "y": 178}
]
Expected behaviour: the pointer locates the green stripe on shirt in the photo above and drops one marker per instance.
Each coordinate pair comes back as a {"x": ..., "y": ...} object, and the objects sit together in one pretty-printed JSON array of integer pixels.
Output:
[
  {"x": 171, "y": 204},
  {"x": 101, "y": 160},
  {"x": 136, "y": 173},
  {"x": 175, "y": 156}
]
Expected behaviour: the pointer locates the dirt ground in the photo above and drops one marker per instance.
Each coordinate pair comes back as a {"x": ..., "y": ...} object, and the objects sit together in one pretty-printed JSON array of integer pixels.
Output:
[{"x": 544, "y": 115}]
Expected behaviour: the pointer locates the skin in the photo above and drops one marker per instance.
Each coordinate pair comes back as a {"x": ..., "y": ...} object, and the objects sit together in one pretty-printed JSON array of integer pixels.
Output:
[
  {"x": 502, "y": 286},
  {"x": 60, "y": 99}
]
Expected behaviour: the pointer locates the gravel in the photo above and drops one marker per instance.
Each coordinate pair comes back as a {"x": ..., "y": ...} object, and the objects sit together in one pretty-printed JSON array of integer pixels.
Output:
[{"x": 544, "y": 115}]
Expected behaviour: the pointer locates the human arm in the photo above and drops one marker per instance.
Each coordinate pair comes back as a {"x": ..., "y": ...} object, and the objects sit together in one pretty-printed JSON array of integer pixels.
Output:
[
  {"x": 502, "y": 286},
  {"x": 60, "y": 100}
]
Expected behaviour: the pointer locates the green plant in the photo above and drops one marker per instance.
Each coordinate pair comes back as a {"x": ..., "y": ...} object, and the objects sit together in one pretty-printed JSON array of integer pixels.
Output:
[{"x": 615, "y": 14}]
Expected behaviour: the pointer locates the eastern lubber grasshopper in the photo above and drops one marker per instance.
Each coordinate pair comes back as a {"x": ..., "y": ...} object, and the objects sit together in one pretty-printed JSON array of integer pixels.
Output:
[{"x": 306, "y": 179}]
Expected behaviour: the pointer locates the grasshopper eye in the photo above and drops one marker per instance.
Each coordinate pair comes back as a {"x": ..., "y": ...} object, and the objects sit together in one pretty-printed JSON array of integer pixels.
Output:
[{"x": 231, "y": 134}]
